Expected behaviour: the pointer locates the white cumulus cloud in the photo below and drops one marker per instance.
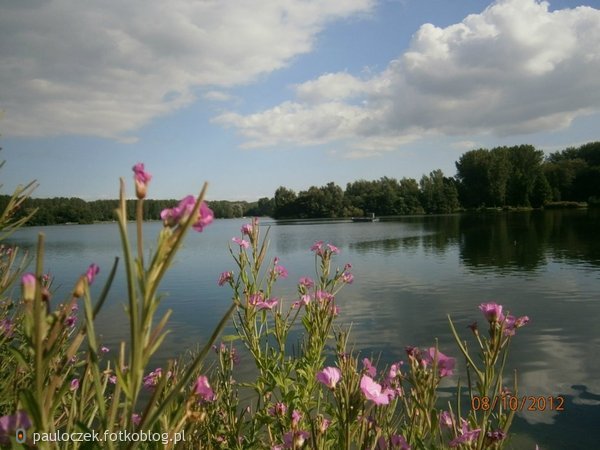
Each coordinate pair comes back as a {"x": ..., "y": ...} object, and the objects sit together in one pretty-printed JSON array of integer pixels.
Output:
[
  {"x": 515, "y": 68},
  {"x": 107, "y": 67}
]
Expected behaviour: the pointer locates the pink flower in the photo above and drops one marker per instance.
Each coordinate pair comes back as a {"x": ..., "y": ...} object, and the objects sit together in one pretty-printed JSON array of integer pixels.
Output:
[
  {"x": 280, "y": 271},
  {"x": 104, "y": 349},
  {"x": 323, "y": 424},
  {"x": 247, "y": 229},
  {"x": 323, "y": 297},
  {"x": 466, "y": 435},
  {"x": 368, "y": 367},
  {"x": 260, "y": 303},
  {"x": 203, "y": 389},
  {"x": 333, "y": 249},
  {"x": 374, "y": 392},
  {"x": 151, "y": 380},
  {"x": 136, "y": 419},
  {"x": 91, "y": 273},
  {"x": 495, "y": 436},
  {"x": 446, "y": 419},
  {"x": 279, "y": 409},
  {"x": 304, "y": 301},
  {"x": 393, "y": 372},
  {"x": 205, "y": 217},
  {"x": 10, "y": 424},
  {"x": 295, "y": 439},
  {"x": 397, "y": 442},
  {"x": 296, "y": 418},
  {"x": 492, "y": 312},
  {"x": 74, "y": 384},
  {"x": 6, "y": 328},
  {"x": 347, "y": 277},
  {"x": 329, "y": 376},
  {"x": 241, "y": 242},
  {"x": 180, "y": 213},
  {"x": 307, "y": 282},
  {"x": 511, "y": 324},
  {"x": 317, "y": 247},
  {"x": 28, "y": 283},
  {"x": 225, "y": 277},
  {"x": 142, "y": 178},
  {"x": 445, "y": 364}
]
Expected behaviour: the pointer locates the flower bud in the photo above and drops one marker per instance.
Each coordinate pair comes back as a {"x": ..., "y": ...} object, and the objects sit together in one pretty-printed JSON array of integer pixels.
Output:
[
  {"x": 142, "y": 178},
  {"x": 28, "y": 285}
]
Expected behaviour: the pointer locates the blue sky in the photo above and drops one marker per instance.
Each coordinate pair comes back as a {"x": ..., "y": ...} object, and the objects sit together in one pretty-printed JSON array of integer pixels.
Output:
[{"x": 251, "y": 95}]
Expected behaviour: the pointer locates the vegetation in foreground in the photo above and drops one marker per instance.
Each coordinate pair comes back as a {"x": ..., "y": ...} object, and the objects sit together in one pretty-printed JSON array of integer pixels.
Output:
[{"x": 58, "y": 383}]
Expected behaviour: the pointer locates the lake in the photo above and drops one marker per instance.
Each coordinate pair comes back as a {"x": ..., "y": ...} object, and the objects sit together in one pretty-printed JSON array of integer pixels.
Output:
[{"x": 409, "y": 274}]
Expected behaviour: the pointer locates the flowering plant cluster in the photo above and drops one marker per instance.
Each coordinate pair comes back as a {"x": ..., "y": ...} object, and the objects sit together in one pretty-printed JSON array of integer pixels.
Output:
[{"x": 307, "y": 390}]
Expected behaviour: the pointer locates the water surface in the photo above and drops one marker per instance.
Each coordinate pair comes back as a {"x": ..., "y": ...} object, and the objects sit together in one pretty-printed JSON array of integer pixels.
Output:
[{"x": 409, "y": 274}]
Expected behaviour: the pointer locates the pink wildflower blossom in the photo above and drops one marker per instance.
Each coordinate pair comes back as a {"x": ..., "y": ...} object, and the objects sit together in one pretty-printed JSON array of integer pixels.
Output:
[
  {"x": 446, "y": 419},
  {"x": 241, "y": 242},
  {"x": 28, "y": 283},
  {"x": 307, "y": 282},
  {"x": 296, "y": 418},
  {"x": 374, "y": 392},
  {"x": 368, "y": 367},
  {"x": 445, "y": 364},
  {"x": 151, "y": 380},
  {"x": 492, "y": 312},
  {"x": 180, "y": 213},
  {"x": 141, "y": 178},
  {"x": 9, "y": 425},
  {"x": 396, "y": 442},
  {"x": 466, "y": 435},
  {"x": 323, "y": 297},
  {"x": 278, "y": 409},
  {"x": 317, "y": 247},
  {"x": 260, "y": 303},
  {"x": 333, "y": 249},
  {"x": 511, "y": 324},
  {"x": 203, "y": 390},
  {"x": 225, "y": 277},
  {"x": 280, "y": 271},
  {"x": 247, "y": 229},
  {"x": 304, "y": 301},
  {"x": 91, "y": 273},
  {"x": 347, "y": 277},
  {"x": 295, "y": 439},
  {"x": 74, "y": 384},
  {"x": 329, "y": 376}
]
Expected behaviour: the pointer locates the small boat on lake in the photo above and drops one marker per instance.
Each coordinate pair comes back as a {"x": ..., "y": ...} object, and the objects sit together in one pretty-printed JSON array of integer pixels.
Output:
[{"x": 370, "y": 218}]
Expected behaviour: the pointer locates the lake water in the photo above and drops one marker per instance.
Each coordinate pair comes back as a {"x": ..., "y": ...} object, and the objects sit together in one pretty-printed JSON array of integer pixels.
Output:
[{"x": 409, "y": 274}]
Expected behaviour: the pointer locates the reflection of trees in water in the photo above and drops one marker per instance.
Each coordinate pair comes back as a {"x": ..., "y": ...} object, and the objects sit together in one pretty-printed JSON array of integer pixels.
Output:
[
  {"x": 432, "y": 233},
  {"x": 387, "y": 245},
  {"x": 523, "y": 240},
  {"x": 506, "y": 240},
  {"x": 510, "y": 240}
]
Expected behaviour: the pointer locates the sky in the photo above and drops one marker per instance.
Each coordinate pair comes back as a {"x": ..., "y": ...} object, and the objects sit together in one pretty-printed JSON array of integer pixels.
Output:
[{"x": 253, "y": 95}]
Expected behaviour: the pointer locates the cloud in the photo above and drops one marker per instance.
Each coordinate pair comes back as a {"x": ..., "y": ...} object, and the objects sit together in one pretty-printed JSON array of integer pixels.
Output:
[
  {"x": 107, "y": 67},
  {"x": 217, "y": 96},
  {"x": 515, "y": 68}
]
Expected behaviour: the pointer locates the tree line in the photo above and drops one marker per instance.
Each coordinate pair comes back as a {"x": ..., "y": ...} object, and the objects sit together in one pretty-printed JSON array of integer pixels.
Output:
[
  {"x": 60, "y": 210},
  {"x": 518, "y": 176}
]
